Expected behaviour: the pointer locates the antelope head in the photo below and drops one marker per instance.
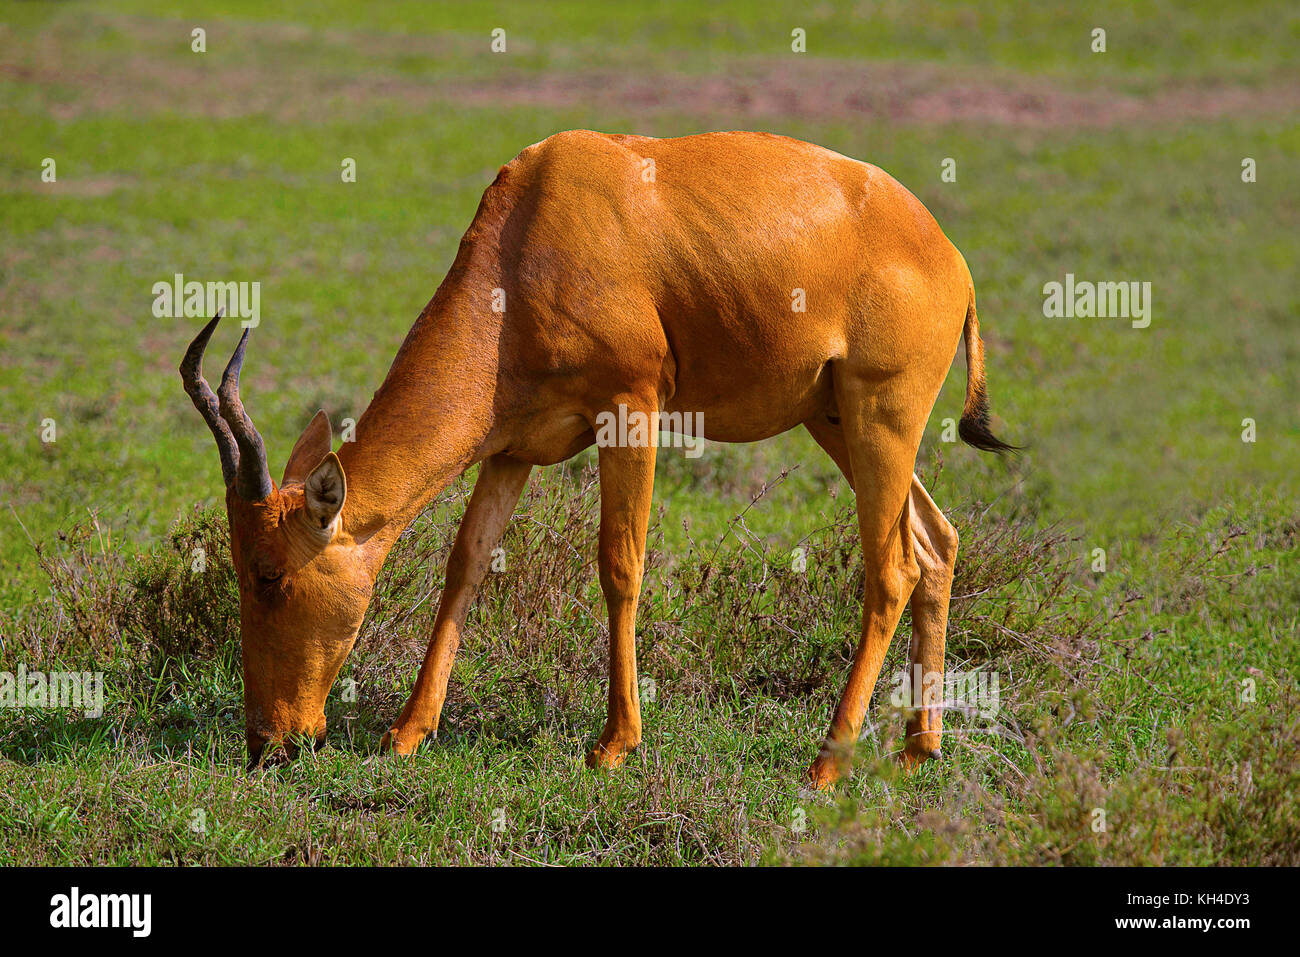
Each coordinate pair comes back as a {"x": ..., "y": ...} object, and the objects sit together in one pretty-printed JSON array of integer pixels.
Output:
[{"x": 303, "y": 583}]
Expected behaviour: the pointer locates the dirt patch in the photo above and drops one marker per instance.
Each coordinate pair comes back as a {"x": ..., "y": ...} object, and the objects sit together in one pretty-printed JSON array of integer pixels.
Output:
[
  {"x": 297, "y": 74},
  {"x": 897, "y": 92},
  {"x": 91, "y": 187}
]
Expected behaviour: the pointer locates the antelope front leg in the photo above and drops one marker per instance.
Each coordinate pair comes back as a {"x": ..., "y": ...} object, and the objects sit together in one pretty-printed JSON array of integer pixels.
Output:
[
  {"x": 627, "y": 477},
  {"x": 500, "y": 481}
]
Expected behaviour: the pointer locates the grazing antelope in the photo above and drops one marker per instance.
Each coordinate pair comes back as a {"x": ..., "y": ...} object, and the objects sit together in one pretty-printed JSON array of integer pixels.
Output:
[{"x": 593, "y": 282}]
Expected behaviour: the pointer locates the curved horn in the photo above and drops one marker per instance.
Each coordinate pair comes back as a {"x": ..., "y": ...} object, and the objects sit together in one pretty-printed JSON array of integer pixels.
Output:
[
  {"x": 252, "y": 478},
  {"x": 200, "y": 394}
]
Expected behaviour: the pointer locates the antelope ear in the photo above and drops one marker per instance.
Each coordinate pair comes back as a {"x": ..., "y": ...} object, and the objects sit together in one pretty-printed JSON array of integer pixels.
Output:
[
  {"x": 312, "y": 446},
  {"x": 325, "y": 491}
]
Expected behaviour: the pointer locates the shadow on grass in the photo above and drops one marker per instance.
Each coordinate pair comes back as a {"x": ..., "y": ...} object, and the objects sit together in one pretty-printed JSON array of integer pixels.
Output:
[{"x": 34, "y": 737}]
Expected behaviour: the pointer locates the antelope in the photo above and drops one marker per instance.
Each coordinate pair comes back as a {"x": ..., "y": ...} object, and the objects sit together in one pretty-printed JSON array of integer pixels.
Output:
[{"x": 607, "y": 274}]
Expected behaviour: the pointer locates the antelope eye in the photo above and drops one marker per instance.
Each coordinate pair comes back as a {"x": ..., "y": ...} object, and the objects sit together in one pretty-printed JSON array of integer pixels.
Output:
[{"x": 268, "y": 576}]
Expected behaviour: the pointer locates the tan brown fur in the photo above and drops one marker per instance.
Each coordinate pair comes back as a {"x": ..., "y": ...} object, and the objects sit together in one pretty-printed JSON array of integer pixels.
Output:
[{"x": 668, "y": 293}]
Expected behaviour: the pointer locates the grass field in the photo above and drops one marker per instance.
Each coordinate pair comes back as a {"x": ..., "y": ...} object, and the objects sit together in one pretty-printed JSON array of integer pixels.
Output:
[{"x": 1161, "y": 691}]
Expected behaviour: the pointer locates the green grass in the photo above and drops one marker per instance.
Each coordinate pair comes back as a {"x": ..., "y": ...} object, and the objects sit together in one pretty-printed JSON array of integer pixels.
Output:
[
  {"x": 1114, "y": 699},
  {"x": 226, "y": 165}
]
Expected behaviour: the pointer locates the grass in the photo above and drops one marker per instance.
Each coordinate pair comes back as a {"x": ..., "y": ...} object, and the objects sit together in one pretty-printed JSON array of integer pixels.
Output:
[
  {"x": 226, "y": 165},
  {"x": 1110, "y": 699}
]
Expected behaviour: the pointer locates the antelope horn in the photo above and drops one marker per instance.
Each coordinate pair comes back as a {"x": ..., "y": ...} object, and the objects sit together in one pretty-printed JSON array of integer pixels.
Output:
[
  {"x": 252, "y": 478},
  {"x": 200, "y": 394}
]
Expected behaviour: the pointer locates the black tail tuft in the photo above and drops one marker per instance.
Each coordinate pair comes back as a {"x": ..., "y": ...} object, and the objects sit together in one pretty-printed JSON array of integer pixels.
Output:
[{"x": 973, "y": 427}]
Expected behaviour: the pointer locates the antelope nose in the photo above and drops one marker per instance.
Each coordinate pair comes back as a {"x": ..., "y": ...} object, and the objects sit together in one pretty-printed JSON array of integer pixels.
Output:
[{"x": 256, "y": 745}]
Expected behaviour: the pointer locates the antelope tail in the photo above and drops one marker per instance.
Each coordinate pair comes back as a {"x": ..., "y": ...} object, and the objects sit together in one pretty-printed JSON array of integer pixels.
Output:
[{"x": 973, "y": 427}]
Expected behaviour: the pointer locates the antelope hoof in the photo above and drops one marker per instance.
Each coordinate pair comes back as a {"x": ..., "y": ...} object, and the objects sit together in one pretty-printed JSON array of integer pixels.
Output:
[
  {"x": 396, "y": 741},
  {"x": 609, "y": 756},
  {"x": 824, "y": 773},
  {"x": 915, "y": 754}
]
